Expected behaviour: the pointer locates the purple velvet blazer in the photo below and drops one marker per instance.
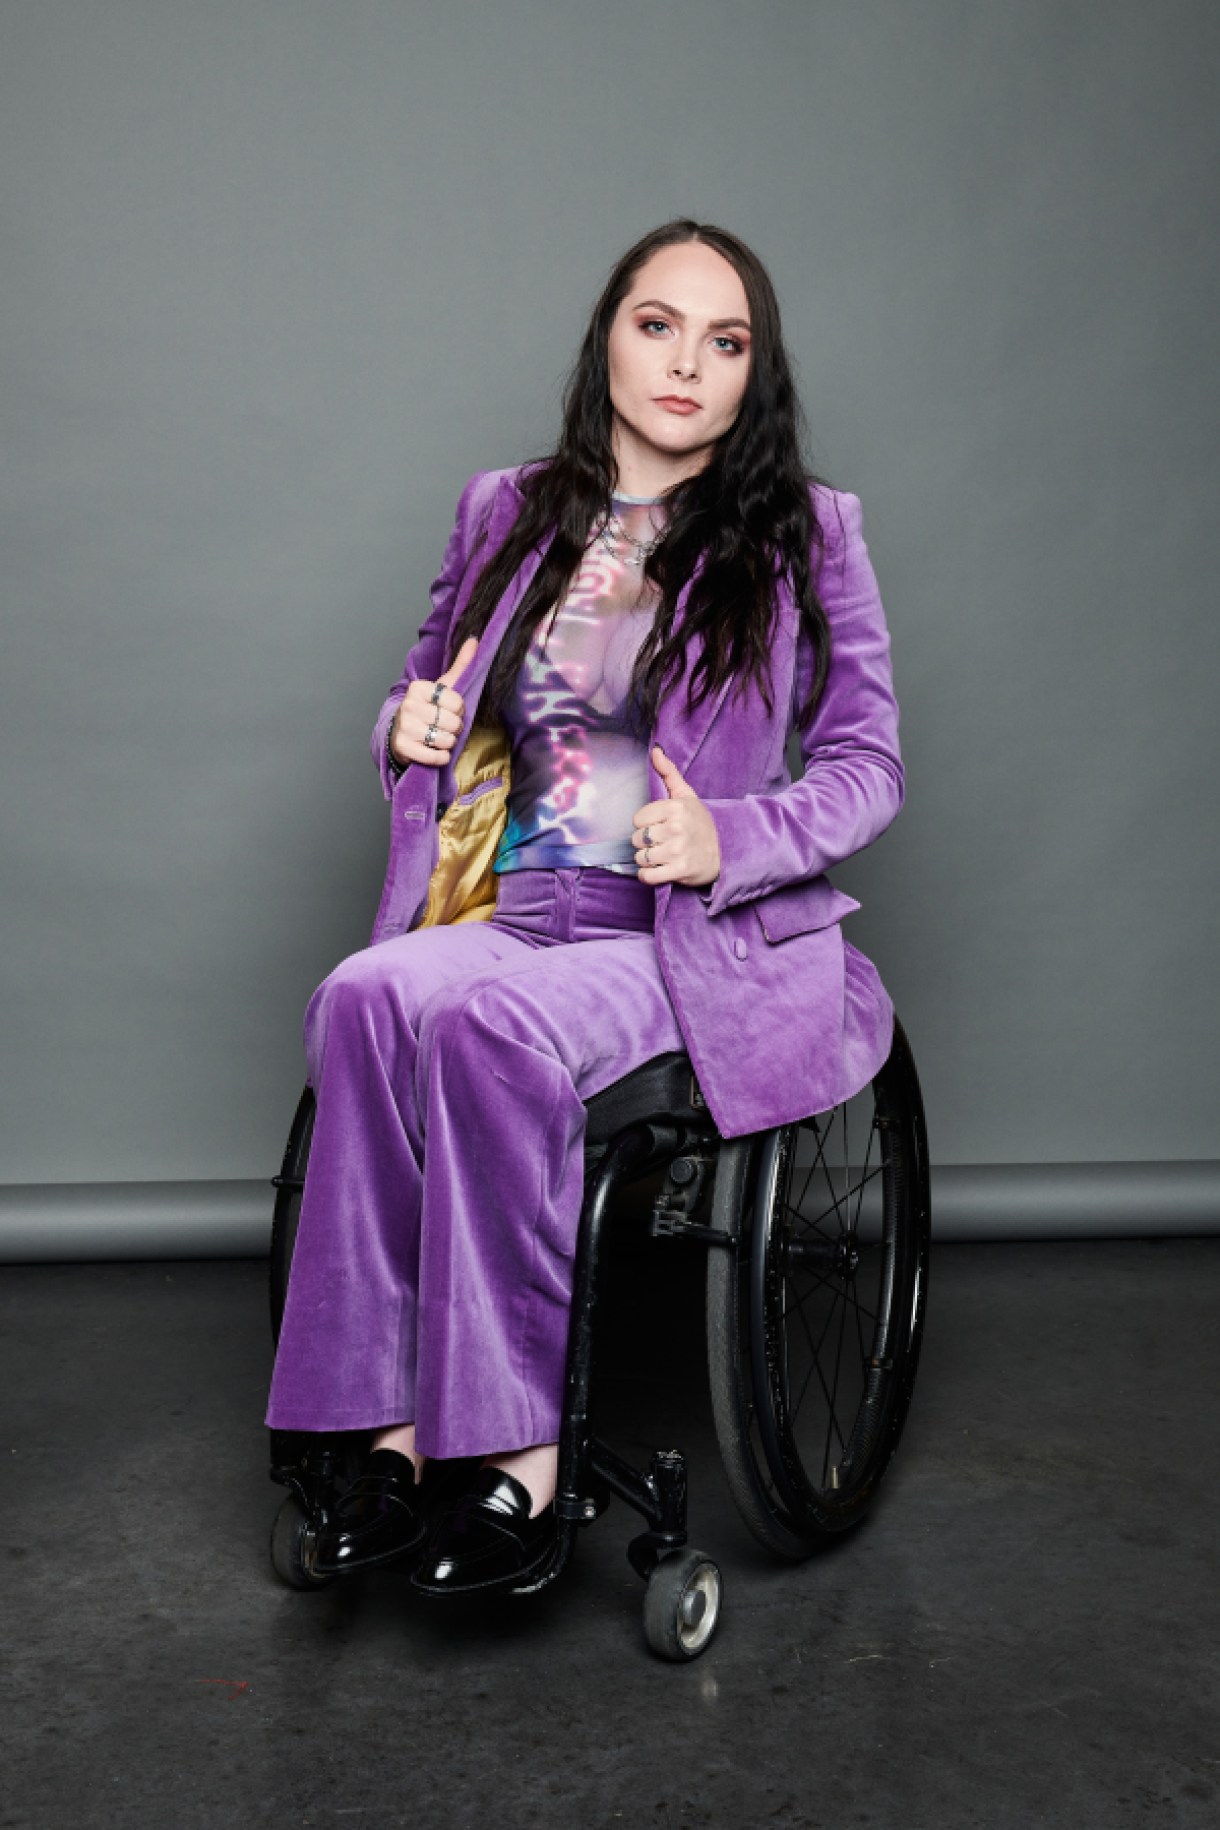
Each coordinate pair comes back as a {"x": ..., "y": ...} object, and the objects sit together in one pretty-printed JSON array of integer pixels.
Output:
[{"x": 781, "y": 1016}]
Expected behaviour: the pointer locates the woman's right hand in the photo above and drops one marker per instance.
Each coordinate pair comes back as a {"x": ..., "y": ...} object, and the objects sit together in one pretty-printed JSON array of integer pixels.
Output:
[{"x": 416, "y": 713}]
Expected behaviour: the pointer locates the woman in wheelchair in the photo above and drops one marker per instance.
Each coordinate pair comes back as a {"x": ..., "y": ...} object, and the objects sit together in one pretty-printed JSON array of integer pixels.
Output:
[{"x": 598, "y": 857}]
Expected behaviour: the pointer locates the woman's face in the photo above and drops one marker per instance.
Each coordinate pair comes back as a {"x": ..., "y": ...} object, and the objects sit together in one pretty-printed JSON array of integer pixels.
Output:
[{"x": 679, "y": 355}]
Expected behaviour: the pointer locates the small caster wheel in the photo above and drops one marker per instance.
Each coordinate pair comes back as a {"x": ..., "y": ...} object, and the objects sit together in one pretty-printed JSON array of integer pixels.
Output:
[
  {"x": 292, "y": 1542},
  {"x": 682, "y": 1604}
]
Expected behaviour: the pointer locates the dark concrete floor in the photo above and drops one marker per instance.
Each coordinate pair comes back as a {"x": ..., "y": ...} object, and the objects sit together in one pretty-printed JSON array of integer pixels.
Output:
[{"x": 1024, "y": 1633}]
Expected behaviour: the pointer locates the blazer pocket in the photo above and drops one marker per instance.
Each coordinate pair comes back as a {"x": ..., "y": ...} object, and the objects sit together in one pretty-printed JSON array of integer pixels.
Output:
[{"x": 800, "y": 908}]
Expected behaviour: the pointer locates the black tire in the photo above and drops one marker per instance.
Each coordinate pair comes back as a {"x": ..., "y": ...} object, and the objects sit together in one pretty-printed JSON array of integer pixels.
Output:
[
  {"x": 682, "y": 1605},
  {"x": 289, "y": 1186},
  {"x": 291, "y": 1546},
  {"x": 815, "y": 1319}
]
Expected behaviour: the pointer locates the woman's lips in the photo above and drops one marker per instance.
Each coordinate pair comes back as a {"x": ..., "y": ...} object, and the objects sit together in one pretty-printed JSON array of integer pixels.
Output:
[{"x": 675, "y": 403}]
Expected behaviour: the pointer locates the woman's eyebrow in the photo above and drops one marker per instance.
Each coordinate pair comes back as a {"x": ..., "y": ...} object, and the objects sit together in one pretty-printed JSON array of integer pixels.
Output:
[{"x": 713, "y": 323}]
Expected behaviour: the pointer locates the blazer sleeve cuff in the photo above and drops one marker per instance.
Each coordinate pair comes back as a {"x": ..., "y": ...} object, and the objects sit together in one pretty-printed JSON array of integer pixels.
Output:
[
  {"x": 737, "y": 832},
  {"x": 391, "y": 772}
]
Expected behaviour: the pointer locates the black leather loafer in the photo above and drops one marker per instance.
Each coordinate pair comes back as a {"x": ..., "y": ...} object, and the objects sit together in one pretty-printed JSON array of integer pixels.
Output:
[
  {"x": 486, "y": 1540},
  {"x": 377, "y": 1520}
]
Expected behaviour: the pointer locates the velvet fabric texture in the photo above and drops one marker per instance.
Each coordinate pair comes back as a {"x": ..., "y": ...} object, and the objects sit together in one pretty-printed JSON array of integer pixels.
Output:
[
  {"x": 780, "y": 1015},
  {"x": 432, "y": 1276}
]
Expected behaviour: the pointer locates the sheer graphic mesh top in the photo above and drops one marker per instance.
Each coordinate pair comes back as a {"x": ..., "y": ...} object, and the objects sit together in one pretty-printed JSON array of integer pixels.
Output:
[{"x": 579, "y": 751}]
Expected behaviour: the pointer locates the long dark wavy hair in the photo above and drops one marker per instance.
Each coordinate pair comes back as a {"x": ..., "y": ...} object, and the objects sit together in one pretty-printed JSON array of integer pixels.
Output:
[{"x": 748, "y": 515}]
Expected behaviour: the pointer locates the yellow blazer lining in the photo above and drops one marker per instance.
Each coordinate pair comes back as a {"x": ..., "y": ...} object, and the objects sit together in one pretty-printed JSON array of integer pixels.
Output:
[{"x": 463, "y": 886}]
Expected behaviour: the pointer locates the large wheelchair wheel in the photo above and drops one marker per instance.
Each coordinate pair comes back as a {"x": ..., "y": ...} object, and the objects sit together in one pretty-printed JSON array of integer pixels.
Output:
[
  {"x": 289, "y": 1185},
  {"x": 815, "y": 1317}
]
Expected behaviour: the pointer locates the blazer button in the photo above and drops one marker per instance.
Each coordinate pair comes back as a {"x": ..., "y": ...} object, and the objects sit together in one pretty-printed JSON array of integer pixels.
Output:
[{"x": 740, "y": 948}]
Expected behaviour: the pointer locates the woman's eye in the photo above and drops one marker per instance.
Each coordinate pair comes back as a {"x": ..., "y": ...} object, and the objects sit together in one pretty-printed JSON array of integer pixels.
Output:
[
  {"x": 734, "y": 345},
  {"x": 651, "y": 324}
]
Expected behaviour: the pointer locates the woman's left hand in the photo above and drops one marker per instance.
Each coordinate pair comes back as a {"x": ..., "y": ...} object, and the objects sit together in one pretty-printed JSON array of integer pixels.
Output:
[{"x": 683, "y": 845}]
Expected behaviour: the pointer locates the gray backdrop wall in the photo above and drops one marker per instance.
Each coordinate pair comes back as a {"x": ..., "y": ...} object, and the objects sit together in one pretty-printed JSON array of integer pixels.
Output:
[{"x": 278, "y": 275}]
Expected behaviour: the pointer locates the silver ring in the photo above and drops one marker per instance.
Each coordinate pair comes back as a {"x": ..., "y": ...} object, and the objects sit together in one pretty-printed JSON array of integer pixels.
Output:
[
  {"x": 648, "y": 835},
  {"x": 647, "y": 859},
  {"x": 436, "y": 692},
  {"x": 430, "y": 735}
]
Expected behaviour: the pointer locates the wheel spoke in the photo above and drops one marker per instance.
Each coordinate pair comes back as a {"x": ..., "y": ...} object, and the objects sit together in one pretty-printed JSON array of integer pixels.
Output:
[
  {"x": 820, "y": 1282},
  {"x": 808, "y": 1177},
  {"x": 817, "y": 1367},
  {"x": 815, "y": 1220},
  {"x": 838, "y": 1297},
  {"x": 838, "y": 1202},
  {"x": 804, "y": 1388},
  {"x": 835, "y": 1199},
  {"x": 834, "y": 1392}
]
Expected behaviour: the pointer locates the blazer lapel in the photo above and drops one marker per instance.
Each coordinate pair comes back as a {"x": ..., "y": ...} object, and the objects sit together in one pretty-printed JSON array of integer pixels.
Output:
[
  {"x": 471, "y": 681},
  {"x": 679, "y": 735}
]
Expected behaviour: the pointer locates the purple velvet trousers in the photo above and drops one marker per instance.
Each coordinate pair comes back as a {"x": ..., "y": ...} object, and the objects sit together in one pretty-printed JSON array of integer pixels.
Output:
[{"x": 432, "y": 1277}]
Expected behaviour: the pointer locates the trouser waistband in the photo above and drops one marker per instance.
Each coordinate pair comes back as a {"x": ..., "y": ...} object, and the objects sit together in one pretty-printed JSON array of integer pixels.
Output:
[{"x": 574, "y": 901}]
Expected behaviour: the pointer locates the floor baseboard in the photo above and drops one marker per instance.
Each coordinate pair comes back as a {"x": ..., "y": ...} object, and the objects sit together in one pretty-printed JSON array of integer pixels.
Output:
[{"x": 47, "y": 1223}]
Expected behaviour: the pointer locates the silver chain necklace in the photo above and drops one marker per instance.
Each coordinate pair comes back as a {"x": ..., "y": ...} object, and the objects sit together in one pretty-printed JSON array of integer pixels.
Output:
[{"x": 612, "y": 526}]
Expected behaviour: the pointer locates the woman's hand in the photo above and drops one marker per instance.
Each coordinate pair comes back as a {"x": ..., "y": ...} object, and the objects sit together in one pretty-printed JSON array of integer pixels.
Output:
[
  {"x": 416, "y": 712},
  {"x": 683, "y": 845}
]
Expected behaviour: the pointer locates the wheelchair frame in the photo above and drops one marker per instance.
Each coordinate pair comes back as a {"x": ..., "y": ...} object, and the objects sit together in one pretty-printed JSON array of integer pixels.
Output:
[{"x": 654, "y": 1118}]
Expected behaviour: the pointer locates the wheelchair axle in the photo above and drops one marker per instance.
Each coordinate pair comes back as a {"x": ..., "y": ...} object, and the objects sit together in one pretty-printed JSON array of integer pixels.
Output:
[{"x": 830, "y": 1257}]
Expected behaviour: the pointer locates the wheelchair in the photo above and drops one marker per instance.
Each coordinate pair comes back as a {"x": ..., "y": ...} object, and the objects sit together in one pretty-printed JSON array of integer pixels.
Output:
[{"x": 817, "y": 1240}]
